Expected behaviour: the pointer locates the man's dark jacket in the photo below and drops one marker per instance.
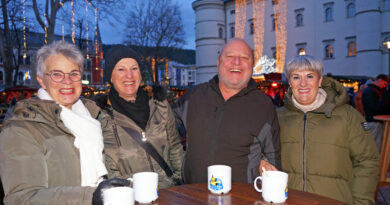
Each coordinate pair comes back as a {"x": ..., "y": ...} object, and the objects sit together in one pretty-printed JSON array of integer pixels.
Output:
[{"x": 238, "y": 132}]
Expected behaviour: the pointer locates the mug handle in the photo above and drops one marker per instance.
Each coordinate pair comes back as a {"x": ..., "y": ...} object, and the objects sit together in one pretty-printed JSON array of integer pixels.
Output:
[{"x": 255, "y": 184}]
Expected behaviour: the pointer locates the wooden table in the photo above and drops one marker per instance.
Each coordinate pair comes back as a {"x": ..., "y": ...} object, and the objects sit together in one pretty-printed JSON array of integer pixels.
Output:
[
  {"x": 242, "y": 194},
  {"x": 385, "y": 152}
]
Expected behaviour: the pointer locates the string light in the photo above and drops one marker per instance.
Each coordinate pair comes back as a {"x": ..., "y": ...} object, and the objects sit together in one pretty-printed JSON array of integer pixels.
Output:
[
  {"x": 45, "y": 28},
  {"x": 73, "y": 25},
  {"x": 280, "y": 10},
  {"x": 86, "y": 27},
  {"x": 63, "y": 32},
  {"x": 24, "y": 30},
  {"x": 240, "y": 6},
  {"x": 258, "y": 8},
  {"x": 96, "y": 41}
]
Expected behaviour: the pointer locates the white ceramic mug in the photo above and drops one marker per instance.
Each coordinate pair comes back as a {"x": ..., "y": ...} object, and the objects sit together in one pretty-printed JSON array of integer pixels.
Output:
[
  {"x": 274, "y": 186},
  {"x": 219, "y": 179},
  {"x": 145, "y": 186},
  {"x": 118, "y": 196}
]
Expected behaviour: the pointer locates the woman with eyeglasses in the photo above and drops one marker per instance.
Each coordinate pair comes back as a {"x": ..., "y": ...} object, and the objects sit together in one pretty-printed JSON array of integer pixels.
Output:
[{"x": 51, "y": 146}]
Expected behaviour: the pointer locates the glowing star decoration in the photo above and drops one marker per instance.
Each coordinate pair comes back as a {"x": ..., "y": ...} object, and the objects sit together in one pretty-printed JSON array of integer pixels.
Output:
[{"x": 264, "y": 65}]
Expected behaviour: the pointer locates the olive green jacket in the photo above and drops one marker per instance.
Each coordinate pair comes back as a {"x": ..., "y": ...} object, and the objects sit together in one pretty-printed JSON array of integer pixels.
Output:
[
  {"x": 38, "y": 162},
  {"x": 126, "y": 157},
  {"x": 329, "y": 151}
]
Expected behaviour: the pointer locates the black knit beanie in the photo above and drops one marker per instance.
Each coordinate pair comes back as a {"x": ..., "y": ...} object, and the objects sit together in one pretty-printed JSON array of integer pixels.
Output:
[{"x": 115, "y": 54}]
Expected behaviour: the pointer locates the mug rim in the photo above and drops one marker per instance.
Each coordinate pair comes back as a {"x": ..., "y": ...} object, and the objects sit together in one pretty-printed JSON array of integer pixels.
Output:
[
  {"x": 145, "y": 173},
  {"x": 219, "y": 166}
]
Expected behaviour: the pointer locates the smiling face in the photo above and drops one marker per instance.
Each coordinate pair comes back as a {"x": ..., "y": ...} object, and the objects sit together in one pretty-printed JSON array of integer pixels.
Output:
[
  {"x": 66, "y": 92},
  {"x": 126, "y": 78},
  {"x": 235, "y": 65},
  {"x": 304, "y": 85}
]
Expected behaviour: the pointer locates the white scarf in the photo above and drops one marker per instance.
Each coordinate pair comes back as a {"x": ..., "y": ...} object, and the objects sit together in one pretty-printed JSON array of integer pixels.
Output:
[
  {"x": 320, "y": 99},
  {"x": 88, "y": 139}
]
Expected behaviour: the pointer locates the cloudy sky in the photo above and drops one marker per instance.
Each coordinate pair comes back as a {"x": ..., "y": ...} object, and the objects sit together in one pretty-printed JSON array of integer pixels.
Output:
[{"x": 114, "y": 34}]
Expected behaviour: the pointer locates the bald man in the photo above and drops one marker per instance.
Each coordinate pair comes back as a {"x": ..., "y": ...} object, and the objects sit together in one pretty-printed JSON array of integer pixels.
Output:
[{"x": 229, "y": 121}]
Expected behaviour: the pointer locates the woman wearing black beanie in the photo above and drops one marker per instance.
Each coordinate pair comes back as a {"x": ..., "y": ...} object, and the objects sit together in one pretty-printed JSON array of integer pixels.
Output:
[{"x": 144, "y": 136}]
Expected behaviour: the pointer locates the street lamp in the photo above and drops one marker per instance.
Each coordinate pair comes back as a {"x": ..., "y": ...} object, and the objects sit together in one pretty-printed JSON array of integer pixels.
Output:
[{"x": 387, "y": 44}]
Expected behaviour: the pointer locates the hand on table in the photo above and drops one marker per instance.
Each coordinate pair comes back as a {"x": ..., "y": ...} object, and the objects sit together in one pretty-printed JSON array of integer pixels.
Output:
[{"x": 267, "y": 166}]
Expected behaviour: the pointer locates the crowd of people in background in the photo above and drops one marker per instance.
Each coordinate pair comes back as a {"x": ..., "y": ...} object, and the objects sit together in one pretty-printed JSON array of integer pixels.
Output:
[{"x": 59, "y": 149}]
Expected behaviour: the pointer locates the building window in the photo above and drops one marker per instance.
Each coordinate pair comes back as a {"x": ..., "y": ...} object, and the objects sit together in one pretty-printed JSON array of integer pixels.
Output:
[
  {"x": 328, "y": 11},
  {"x": 350, "y": 10},
  {"x": 20, "y": 76},
  {"x": 275, "y": 53},
  {"x": 328, "y": 51},
  {"x": 27, "y": 60},
  {"x": 352, "y": 48},
  {"x": 232, "y": 11},
  {"x": 386, "y": 5},
  {"x": 299, "y": 20},
  {"x": 328, "y": 14},
  {"x": 301, "y": 48},
  {"x": 251, "y": 28},
  {"x": 21, "y": 60},
  {"x": 275, "y": 2},
  {"x": 301, "y": 52},
  {"x": 232, "y": 31},
  {"x": 1, "y": 76},
  {"x": 274, "y": 21},
  {"x": 220, "y": 32}
]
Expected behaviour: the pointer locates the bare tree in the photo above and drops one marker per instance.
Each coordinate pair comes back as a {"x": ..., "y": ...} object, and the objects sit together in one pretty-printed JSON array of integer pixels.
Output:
[
  {"x": 11, "y": 23},
  {"x": 49, "y": 10},
  {"x": 154, "y": 26}
]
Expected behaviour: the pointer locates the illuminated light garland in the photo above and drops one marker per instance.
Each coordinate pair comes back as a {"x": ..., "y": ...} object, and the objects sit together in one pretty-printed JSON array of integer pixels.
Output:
[
  {"x": 153, "y": 68},
  {"x": 258, "y": 8},
  {"x": 73, "y": 25},
  {"x": 240, "y": 19},
  {"x": 86, "y": 27},
  {"x": 45, "y": 28},
  {"x": 63, "y": 32},
  {"x": 24, "y": 30},
  {"x": 96, "y": 41},
  {"x": 280, "y": 11}
]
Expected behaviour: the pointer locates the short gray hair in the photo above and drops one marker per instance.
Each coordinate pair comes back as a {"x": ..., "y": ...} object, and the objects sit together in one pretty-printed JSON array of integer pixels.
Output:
[
  {"x": 58, "y": 47},
  {"x": 304, "y": 62}
]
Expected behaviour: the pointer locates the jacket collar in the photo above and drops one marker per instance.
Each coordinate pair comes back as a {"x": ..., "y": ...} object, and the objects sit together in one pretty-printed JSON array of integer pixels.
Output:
[
  {"x": 252, "y": 85},
  {"x": 336, "y": 93}
]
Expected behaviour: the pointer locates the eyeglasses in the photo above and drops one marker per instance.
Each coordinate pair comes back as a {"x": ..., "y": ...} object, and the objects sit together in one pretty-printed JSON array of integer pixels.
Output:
[{"x": 58, "y": 76}]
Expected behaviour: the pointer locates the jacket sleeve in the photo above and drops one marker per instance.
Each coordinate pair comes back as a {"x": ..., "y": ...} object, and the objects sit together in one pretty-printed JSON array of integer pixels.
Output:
[
  {"x": 176, "y": 152},
  {"x": 269, "y": 138},
  {"x": 24, "y": 174},
  {"x": 365, "y": 160}
]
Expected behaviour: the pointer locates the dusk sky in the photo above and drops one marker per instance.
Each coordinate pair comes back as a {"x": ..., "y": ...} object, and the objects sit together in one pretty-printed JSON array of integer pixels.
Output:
[{"x": 114, "y": 35}]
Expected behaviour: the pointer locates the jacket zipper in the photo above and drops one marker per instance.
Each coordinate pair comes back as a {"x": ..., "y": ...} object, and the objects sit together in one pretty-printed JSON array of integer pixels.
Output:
[{"x": 303, "y": 153}]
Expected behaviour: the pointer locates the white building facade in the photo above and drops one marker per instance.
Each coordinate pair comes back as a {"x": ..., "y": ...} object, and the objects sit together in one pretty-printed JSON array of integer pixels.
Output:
[
  {"x": 348, "y": 35},
  {"x": 179, "y": 74}
]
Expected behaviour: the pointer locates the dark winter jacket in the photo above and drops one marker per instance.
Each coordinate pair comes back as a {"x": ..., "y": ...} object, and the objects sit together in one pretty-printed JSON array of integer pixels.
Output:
[
  {"x": 126, "y": 157},
  {"x": 370, "y": 100},
  {"x": 329, "y": 151},
  {"x": 39, "y": 163},
  {"x": 238, "y": 132}
]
